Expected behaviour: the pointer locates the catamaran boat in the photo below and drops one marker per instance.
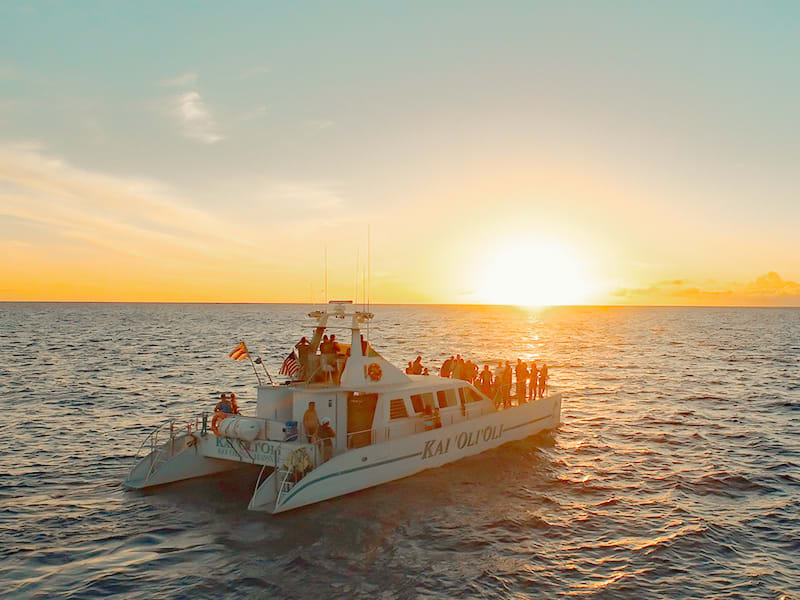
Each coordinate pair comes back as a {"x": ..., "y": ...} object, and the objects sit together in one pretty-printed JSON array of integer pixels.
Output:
[{"x": 387, "y": 424}]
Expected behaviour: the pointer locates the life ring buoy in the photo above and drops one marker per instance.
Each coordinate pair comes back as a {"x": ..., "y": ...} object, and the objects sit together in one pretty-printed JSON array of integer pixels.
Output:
[
  {"x": 374, "y": 371},
  {"x": 217, "y": 419}
]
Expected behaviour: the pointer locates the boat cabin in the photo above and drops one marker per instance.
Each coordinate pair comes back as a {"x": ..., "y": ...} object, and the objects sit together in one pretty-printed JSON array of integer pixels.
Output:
[{"x": 370, "y": 400}]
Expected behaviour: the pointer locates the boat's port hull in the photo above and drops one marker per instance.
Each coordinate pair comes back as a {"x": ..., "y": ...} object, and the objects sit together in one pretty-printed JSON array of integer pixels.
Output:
[{"x": 161, "y": 466}]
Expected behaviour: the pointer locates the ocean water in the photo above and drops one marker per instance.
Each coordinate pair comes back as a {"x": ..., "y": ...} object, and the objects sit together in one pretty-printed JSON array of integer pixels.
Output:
[{"x": 675, "y": 472}]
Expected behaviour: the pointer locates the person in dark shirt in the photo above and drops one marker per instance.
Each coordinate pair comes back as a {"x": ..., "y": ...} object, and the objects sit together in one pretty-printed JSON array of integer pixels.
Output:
[{"x": 534, "y": 382}]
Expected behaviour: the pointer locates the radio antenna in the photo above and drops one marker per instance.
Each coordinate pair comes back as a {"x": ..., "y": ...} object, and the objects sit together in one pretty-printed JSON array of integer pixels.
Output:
[{"x": 326, "y": 275}]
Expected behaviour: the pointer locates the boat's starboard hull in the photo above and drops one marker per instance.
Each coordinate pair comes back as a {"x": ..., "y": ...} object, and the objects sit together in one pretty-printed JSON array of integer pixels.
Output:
[{"x": 380, "y": 463}]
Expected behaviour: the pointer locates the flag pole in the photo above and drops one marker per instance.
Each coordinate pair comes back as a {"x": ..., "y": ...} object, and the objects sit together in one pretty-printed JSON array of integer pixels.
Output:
[
  {"x": 263, "y": 366},
  {"x": 250, "y": 358}
]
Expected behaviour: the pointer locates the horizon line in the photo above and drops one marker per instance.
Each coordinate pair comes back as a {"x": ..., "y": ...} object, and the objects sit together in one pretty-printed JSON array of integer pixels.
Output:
[{"x": 544, "y": 306}]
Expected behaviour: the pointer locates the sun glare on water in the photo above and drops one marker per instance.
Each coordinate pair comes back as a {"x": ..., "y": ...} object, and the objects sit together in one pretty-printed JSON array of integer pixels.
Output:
[{"x": 535, "y": 273}]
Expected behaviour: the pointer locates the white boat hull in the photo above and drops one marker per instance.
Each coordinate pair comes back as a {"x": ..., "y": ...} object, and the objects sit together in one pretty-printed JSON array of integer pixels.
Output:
[
  {"x": 380, "y": 463},
  {"x": 346, "y": 472}
]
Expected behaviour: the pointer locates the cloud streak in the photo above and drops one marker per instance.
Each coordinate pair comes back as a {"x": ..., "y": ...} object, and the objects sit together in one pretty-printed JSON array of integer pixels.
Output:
[
  {"x": 184, "y": 79},
  {"x": 135, "y": 217},
  {"x": 198, "y": 123},
  {"x": 767, "y": 290}
]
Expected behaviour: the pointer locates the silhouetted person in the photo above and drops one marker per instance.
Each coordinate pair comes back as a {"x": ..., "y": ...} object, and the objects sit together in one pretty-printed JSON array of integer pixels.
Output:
[
  {"x": 534, "y": 382},
  {"x": 542, "y": 380},
  {"x": 303, "y": 352},
  {"x": 458, "y": 368},
  {"x": 447, "y": 367},
  {"x": 522, "y": 378},
  {"x": 486, "y": 381},
  {"x": 507, "y": 376}
]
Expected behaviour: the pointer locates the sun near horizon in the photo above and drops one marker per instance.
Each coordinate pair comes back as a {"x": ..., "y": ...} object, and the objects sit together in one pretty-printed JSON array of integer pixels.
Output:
[{"x": 645, "y": 158}]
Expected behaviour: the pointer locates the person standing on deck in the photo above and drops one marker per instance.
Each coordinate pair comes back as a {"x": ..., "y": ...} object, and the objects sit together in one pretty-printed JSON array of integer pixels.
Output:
[
  {"x": 447, "y": 367},
  {"x": 326, "y": 435},
  {"x": 497, "y": 384},
  {"x": 458, "y": 368},
  {"x": 303, "y": 351},
  {"x": 534, "y": 382},
  {"x": 542, "y": 380},
  {"x": 416, "y": 368},
  {"x": 507, "y": 375},
  {"x": 485, "y": 379},
  {"x": 311, "y": 422},
  {"x": 522, "y": 378}
]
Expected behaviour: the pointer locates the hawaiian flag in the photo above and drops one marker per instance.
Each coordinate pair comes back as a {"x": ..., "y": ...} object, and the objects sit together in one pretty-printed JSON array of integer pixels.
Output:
[
  {"x": 240, "y": 352},
  {"x": 290, "y": 366}
]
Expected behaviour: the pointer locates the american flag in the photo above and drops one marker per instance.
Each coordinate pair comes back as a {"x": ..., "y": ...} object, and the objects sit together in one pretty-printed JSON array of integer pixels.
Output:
[{"x": 290, "y": 366}]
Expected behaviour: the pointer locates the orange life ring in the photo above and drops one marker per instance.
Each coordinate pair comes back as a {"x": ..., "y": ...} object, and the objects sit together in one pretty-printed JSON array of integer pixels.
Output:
[
  {"x": 374, "y": 371},
  {"x": 217, "y": 419}
]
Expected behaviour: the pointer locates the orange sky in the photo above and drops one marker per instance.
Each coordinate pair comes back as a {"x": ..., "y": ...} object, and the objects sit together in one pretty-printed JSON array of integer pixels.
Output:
[{"x": 545, "y": 154}]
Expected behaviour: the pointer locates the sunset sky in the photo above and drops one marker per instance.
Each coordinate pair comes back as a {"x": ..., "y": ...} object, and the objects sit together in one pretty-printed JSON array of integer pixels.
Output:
[{"x": 521, "y": 153}]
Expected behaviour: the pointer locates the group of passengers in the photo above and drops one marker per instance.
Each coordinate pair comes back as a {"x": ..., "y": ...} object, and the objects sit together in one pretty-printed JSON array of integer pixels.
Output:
[
  {"x": 416, "y": 368},
  {"x": 526, "y": 379},
  {"x": 328, "y": 365},
  {"x": 227, "y": 404},
  {"x": 330, "y": 361}
]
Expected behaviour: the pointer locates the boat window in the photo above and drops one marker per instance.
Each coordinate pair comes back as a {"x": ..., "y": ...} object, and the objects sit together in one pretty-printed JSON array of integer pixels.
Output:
[
  {"x": 446, "y": 398},
  {"x": 473, "y": 395},
  {"x": 416, "y": 402},
  {"x": 397, "y": 409},
  {"x": 427, "y": 400}
]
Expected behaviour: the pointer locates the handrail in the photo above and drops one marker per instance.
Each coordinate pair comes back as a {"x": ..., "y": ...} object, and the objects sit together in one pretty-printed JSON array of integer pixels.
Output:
[
  {"x": 152, "y": 437},
  {"x": 283, "y": 485}
]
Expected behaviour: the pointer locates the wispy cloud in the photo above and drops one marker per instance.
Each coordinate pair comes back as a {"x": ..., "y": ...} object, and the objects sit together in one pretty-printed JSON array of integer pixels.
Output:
[
  {"x": 198, "y": 123},
  {"x": 184, "y": 79},
  {"x": 309, "y": 197},
  {"x": 135, "y": 217},
  {"x": 769, "y": 289}
]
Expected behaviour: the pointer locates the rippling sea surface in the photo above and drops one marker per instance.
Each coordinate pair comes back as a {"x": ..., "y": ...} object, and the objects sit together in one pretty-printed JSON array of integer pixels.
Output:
[{"x": 675, "y": 472}]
